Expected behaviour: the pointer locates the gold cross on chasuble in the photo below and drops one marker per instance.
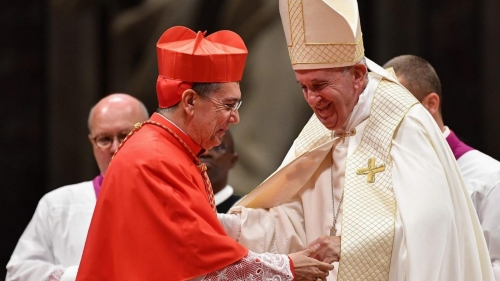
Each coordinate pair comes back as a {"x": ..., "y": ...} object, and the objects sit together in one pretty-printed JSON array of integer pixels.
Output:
[{"x": 371, "y": 170}]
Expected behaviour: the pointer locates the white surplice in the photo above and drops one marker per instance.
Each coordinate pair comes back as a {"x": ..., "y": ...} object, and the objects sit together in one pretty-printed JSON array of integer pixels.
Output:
[
  {"x": 437, "y": 234},
  {"x": 482, "y": 178},
  {"x": 52, "y": 243}
]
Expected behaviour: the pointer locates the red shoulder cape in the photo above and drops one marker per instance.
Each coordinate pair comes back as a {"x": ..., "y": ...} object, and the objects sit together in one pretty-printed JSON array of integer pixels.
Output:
[{"x": 153, "y": 220}]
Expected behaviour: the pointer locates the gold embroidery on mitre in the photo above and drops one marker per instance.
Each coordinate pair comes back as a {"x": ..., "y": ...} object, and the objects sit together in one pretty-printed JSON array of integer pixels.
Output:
[
  {"x": 371, "y": 170},
  {"x": 369, "y": 209},
  {"x": 301, "y": 52}
]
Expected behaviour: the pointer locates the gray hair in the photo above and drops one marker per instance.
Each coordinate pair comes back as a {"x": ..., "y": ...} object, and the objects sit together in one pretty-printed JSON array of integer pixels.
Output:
[
  {"x": 203, "y": 89},
  {"x": 361, "y": 61}
]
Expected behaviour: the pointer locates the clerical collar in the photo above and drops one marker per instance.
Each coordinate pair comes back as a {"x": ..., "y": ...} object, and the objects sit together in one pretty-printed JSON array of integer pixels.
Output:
[
  {"x": 446, "y": 132},
  {"x": 223, "y": 194},
  {"x": 97, "y": 183},
  {"x": 164, "y": 117},
  {"x": 458, "y": 147}
]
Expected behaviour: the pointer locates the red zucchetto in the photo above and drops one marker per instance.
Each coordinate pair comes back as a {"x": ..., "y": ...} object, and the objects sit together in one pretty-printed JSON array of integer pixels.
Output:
[{"x": 186, "y": 57}]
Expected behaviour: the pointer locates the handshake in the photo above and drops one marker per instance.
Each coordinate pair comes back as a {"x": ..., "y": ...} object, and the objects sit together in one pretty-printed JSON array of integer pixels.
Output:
[{"x": 315, "y": 262}]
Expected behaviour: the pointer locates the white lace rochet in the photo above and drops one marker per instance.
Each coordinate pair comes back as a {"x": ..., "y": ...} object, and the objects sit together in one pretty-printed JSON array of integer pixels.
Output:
[{"x": 253, "y": 267}]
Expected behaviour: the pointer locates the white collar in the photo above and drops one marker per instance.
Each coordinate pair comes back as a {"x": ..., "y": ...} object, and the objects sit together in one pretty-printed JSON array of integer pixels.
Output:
[
  {"x": 222, "y": 195},
  {"x": 172, "y": 123},
  {"x": 361, "y": 110},
  {"x": 446, "y": 132}
]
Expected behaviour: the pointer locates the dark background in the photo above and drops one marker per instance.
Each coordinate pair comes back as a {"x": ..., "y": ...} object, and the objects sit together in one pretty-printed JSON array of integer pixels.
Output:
[{"x": 59, "y": 57}]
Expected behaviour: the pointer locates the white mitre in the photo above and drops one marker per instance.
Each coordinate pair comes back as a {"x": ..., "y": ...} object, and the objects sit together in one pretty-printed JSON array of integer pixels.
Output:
[{"x": 322, "y": 33}]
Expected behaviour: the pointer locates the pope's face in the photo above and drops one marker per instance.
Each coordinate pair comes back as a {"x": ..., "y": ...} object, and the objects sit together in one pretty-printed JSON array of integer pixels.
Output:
[
  {"x": 214, "y": 115},
  {"x": 331, "y": 93}
]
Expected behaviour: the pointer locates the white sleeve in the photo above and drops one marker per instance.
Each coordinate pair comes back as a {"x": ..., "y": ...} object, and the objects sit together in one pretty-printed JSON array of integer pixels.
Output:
[
  {"x": 489, "y": 215},
  {"x": 276, "y": 230},
  {"x": 496, "y": 271},
  {"x": 231, "y": 224},
  {"x": 260, "y": 266},
  {"x": 32, "y": 259},
  {"x": 69, "y": 273}
]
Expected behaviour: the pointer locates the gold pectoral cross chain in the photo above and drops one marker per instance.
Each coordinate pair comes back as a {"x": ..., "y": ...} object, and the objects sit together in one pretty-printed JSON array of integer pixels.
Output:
[
  {"x": 371, "y": 170},
  {"x": 342, "y": 136}
]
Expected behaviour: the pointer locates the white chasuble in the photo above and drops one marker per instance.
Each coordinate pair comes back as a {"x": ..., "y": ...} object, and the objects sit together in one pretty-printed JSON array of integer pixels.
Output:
[{"x": 436, "y": 234}]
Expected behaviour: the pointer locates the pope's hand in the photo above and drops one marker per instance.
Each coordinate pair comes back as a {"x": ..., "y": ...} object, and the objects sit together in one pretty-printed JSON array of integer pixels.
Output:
[
  {"x": 307, "y": 268},
  {"x": 327, "y": 248}
]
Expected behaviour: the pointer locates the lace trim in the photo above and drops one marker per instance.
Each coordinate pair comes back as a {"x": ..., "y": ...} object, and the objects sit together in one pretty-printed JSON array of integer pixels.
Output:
[
  {"x": 55, "y": 275},
  {"x": 253, "y": 267}
]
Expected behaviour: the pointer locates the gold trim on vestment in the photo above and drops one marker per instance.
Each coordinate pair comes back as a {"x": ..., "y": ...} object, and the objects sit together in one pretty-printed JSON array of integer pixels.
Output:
[
  {"x": 366, "y": 250},
  {"x": 369, "y": 209},
  {"x": 301, "y": 52}
]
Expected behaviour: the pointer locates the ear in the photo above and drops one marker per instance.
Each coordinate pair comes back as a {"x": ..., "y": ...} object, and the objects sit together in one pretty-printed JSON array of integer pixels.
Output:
[
  {"x": 187, "y": 102},
  {"x": 431, "y": 103},
  {"x": 359, "y": 72},
  {"x": 234, "y": 159}
]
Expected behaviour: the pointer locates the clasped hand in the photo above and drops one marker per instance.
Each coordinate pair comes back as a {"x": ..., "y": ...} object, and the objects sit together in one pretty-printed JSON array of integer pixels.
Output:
[
  {"x": 314, "y": 262},
  {"x": 328, "y": 250}
]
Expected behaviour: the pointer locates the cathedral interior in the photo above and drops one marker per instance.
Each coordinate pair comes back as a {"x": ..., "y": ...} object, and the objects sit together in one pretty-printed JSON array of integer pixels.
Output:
[{"x": 58, "y": 58}]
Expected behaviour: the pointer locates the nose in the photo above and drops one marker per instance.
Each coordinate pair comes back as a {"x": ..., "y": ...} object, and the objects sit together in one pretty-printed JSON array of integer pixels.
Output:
[
  {"x": 312, "y": 98},
  {"x": 234, "y": 117},
  {"x": 115, "y": 144}
]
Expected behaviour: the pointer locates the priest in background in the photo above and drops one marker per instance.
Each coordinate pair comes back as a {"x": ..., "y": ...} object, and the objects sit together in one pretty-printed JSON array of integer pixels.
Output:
[
  {"x": 52, "y": 244},
  {"x": 219, "y": 160},
  {"x": 481, "y": 172}
]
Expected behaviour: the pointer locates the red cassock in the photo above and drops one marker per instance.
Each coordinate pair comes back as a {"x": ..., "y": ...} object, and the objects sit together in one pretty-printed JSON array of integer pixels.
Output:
[{"x": 153, "y": 220}]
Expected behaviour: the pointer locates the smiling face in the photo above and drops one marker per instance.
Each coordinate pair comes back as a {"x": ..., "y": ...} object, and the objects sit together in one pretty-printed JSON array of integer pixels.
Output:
[
  {"x": 213, "y": 115},
  {"x": 332, "y": 93}
]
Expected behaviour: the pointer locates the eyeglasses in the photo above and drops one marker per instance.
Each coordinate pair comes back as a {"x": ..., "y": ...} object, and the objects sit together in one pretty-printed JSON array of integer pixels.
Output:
[
  {"x": 229, "y": 106},
  {"x": 105, "y": 142}
]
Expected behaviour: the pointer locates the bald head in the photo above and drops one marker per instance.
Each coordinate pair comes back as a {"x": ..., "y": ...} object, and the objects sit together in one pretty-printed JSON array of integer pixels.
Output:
[
  {"x": 110, "y": 120},
  {"x": 120, "y": 102}
]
